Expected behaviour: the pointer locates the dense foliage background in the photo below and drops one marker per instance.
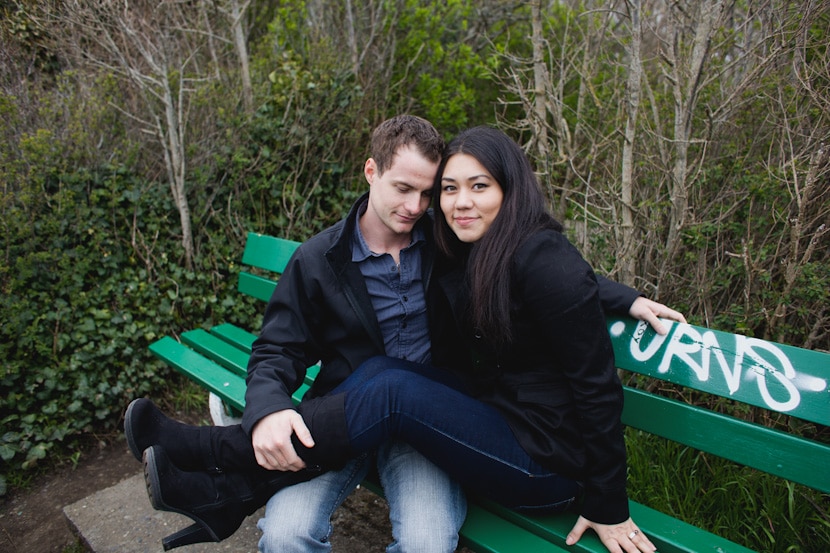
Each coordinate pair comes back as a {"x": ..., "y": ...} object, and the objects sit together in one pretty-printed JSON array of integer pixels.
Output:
[{"x": 686, "y": 144}]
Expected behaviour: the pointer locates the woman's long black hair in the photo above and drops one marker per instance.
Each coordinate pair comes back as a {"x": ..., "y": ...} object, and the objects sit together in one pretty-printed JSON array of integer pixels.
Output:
[{"x": 522, "y": 213}]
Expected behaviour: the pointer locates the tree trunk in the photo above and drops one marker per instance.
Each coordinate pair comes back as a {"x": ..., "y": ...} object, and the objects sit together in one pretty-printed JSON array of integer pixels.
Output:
[
  {"x": 686, "y": 86},
  {"x": 540, "y": 80},
  {"x": 177, "y": 167},
  {"x": 237, "y": 14},
  {"x": 627, "y": 251}
]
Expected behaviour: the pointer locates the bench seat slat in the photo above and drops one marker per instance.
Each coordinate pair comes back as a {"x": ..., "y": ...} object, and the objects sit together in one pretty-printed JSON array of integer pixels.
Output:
[
  {"x": 244, "y": 340},
  {"x": 484, "y": 531},
  {"x": 223, "y": 382},
  {"x": 779, "y": 453},
  {"x": 669, "y": 534},
  {"x": 210, "y": 375},
  {"x": 551, "y": 528},
  {"x": 235, "y": 336},
  {"x": 216, "y": 349}
]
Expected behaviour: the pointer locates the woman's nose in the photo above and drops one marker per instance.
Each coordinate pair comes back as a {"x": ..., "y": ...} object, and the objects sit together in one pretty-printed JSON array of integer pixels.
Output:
[{"x": 463, "y": 199}]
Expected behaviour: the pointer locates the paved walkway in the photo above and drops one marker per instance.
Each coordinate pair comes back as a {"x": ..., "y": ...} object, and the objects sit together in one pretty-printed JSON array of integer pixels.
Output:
[{"x": 120, "y": 519}]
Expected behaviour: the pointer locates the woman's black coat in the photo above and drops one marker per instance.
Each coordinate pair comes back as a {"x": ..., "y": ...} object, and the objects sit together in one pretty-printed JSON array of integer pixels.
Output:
[{"x": 556, "y": 382}]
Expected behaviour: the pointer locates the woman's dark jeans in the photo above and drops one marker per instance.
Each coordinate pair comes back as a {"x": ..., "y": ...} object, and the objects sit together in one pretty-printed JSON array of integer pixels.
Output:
[{"x": 388, "y": 398}]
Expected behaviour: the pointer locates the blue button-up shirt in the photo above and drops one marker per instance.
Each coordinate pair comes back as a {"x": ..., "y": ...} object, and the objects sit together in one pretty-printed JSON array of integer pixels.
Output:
[{"x": 397, "y": 293}]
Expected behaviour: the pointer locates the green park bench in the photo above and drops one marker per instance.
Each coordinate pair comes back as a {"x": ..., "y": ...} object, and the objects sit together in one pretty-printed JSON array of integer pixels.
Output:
[{"x": 744, "y": 370}]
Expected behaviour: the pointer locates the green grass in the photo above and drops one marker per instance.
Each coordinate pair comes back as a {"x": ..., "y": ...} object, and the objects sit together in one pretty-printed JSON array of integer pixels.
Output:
[
  {"x": 185, "y": 395},
  {"x": 76, "y": 547},
  {"x": 759, "y": 511}
]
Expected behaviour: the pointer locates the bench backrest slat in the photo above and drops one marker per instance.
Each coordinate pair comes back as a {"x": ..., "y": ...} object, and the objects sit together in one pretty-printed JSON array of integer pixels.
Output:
[
  {"x": 265, "y": 253},
  {"x": 256, "y": 286},
  {"x": 781, "y": 378},
  {"x": 268, "y": 252},
  {"x": 782, "y": 454}
]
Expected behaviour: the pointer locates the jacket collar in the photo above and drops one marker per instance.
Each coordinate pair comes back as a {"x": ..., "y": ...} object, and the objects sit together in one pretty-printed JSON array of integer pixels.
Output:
[
  {"x": 339, "y": 257},
  {"x": 340, "y": 252}
]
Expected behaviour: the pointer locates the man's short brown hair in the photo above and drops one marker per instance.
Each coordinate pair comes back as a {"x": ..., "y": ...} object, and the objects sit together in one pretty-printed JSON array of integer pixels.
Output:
[{"x": 405, "y": 130}]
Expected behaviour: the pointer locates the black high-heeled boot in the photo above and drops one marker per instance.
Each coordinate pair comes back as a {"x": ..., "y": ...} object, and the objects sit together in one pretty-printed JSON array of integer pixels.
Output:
[
  {"x": 218, "y": 502},
  {"x": 189, "y": 447}
]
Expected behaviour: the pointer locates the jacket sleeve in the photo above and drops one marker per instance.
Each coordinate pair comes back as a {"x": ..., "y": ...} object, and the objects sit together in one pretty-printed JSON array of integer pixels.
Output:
[
  {"x": 560, "y": 293},
  {"x": 616, "y": 298},
  {"x": 285, "y": 347}
]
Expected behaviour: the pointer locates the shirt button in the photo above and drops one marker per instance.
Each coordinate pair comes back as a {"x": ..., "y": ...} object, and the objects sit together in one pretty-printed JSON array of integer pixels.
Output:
[{"x": 405, "y": 298}]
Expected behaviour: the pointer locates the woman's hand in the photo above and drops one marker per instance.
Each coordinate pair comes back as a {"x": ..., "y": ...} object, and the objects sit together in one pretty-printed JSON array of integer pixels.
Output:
[
  {"x": 617, "y": 538},
  {"x": 644, "y": 309}
]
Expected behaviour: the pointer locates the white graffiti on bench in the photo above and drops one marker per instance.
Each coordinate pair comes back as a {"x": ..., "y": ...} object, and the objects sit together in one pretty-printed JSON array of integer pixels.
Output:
[{"x": 696, "y": 352}]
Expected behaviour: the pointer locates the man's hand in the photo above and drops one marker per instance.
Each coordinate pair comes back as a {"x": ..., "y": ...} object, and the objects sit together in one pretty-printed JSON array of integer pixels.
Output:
[
  {"x": 644, "y": 309},
  {"x": 271, "y": 439}
]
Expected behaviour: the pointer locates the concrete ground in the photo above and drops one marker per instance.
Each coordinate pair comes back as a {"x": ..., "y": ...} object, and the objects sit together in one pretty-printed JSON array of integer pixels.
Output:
[{"x": 119, "y": 519}]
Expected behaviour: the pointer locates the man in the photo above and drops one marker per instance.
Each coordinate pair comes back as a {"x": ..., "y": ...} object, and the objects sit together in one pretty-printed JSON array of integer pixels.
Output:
[{"x": 354, "y": 291}]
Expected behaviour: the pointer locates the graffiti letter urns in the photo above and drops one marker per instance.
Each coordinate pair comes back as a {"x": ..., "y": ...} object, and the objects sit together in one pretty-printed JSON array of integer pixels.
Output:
[{"x": 766, "y": 374}]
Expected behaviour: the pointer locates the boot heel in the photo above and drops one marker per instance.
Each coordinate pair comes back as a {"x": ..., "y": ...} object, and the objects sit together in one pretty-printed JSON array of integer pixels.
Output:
[
  {"x": 195, "y": 533},
  {"x": 217, "y": 502}
]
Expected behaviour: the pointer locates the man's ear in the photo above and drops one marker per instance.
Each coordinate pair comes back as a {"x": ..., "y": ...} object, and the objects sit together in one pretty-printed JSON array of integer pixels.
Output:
[{"x": 370, "y": 170}]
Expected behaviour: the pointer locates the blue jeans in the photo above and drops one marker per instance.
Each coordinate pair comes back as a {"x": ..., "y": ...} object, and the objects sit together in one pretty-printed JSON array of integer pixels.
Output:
[
  {"x": 426, "y": 508},
  {"x": 388, "y": 398}
]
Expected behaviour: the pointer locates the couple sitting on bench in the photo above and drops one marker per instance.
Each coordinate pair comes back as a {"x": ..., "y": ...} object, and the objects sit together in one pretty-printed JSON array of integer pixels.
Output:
[{"x": 468, "y": 350}]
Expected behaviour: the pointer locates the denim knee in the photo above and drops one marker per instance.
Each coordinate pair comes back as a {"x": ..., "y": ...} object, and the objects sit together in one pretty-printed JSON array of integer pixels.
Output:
[
  {"x": 426, "y": 507},
  {"x": 298, "y": 518},
  {"x": 439, "y": 536},
  {"x": 289, "y": 526}
]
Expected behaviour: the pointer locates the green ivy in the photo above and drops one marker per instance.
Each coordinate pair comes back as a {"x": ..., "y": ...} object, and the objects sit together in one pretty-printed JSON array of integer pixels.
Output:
[{"x": 82, "y": 301}]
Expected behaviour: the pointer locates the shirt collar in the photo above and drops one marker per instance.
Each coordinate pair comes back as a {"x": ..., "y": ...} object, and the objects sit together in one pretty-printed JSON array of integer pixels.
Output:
[{"x": 361, "y": 251}]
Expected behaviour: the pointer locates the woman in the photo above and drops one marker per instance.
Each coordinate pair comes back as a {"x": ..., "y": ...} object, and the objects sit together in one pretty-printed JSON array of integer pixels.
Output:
[
  {"x": 543, "y": 357},
  {"x": 531, "y": 419}
]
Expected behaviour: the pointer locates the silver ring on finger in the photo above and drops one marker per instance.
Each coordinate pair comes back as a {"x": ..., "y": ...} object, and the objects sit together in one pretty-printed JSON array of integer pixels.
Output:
[{"x": 632, "y": 534}]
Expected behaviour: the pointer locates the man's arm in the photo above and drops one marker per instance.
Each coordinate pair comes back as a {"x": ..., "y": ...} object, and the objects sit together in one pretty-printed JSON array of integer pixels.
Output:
[{"x": 276, "y": 369}]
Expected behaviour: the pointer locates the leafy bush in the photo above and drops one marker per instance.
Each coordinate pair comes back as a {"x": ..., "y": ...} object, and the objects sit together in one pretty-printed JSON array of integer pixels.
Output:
[
  {"x": 83, "y": 297},
  {"x": 92, "y": 265}
]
